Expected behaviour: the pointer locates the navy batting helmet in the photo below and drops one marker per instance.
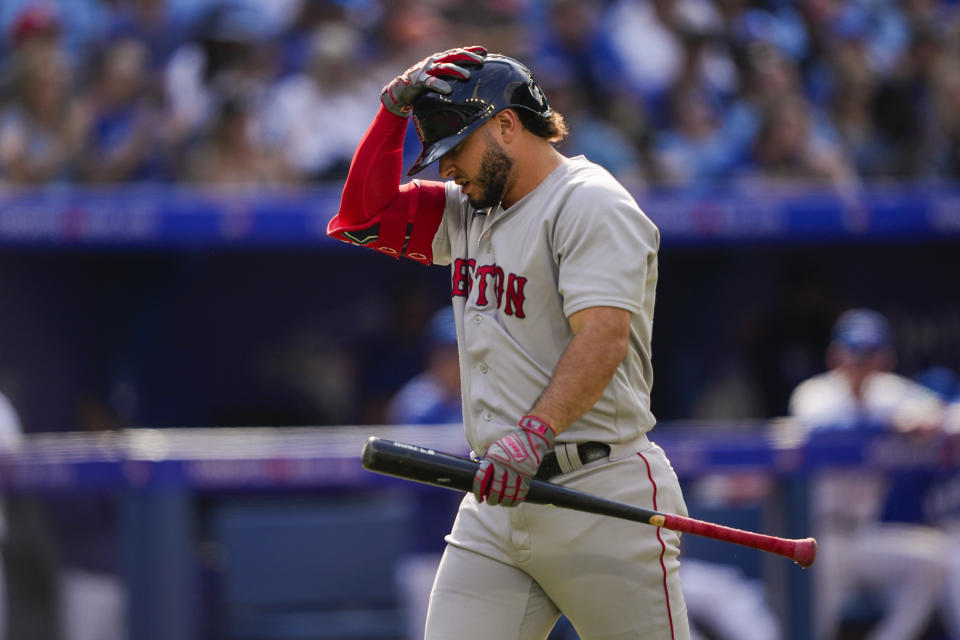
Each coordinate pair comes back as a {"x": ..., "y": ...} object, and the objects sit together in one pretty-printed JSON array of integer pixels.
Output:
[{"x": 443, "y": 121}]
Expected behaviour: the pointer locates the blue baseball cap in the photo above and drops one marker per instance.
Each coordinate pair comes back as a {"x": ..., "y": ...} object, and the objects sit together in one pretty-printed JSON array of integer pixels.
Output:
[{"x": 862, "y": 331}]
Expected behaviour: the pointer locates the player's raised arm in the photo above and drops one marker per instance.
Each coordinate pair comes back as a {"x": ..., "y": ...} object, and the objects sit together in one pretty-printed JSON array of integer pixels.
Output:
[{"x": 376, "y": 210}]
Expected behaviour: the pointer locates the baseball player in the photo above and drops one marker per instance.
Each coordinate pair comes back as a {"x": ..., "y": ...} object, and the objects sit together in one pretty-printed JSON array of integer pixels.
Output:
[
  {"x": 903, "y": 563},
  {"x": 553, "y": 277}
]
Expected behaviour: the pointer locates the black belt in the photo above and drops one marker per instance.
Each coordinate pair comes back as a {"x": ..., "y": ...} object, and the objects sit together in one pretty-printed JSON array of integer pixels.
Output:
[{"x": 588, "y": 452}]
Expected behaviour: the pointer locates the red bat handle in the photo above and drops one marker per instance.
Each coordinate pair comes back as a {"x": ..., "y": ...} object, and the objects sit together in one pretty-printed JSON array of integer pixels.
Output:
[{"x": 803, "y": 552}]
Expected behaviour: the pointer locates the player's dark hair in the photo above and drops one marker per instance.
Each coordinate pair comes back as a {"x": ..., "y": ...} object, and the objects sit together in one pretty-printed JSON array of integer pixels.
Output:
[{"x": 553, "y": 128}]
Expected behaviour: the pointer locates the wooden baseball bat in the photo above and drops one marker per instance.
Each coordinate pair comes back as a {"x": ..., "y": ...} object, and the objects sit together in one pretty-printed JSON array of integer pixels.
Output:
[{"x": 453, "y": 472}]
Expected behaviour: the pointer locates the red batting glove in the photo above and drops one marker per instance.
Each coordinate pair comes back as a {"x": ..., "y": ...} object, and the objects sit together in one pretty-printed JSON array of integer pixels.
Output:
[
  {"x": 511, "y": 462},
  {"x": 430, "y": 74}
]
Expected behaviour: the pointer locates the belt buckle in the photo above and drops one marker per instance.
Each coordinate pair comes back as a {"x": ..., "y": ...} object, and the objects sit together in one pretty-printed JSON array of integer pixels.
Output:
[{"x": 566, "y": 458}]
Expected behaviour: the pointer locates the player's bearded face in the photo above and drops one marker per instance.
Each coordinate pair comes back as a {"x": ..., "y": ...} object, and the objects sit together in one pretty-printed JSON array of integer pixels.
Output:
[{"x": 491, "y": 182}]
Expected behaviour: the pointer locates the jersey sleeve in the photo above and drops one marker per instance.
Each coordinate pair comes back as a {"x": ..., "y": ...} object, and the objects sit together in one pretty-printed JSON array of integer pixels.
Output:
[
  {"x": 453, "y": 211},
  {"x": 376, "y": 211},
  {"x": 605, "y": 248}
]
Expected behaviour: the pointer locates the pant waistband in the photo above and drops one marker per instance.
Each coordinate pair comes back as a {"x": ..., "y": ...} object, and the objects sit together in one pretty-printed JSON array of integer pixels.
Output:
[{"x": 567, "y": 457}]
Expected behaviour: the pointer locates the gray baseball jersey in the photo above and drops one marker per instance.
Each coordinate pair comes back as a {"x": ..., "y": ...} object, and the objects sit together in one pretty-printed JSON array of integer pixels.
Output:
[
  {"x": 578, "y": 240},
  {"x": 517, "y": 275}
]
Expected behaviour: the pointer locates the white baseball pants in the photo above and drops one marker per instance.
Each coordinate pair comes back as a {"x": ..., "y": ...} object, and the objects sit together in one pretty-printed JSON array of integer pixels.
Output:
[{"x": 507, "y": 573}]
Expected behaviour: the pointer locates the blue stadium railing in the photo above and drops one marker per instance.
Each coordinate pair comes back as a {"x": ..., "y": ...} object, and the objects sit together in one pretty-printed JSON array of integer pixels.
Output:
[
  {"x": 184, "y": 217},
  {"x": 171, "y": 481}
]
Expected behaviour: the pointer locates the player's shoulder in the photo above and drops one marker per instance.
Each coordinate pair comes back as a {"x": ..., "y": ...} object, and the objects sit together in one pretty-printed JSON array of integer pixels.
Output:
[
  {"x": 589, "y": 189},
  {"x": 814, "y": 390},
  {"x": 458, "y": 213},
  {"x": 457, "y": 201},
  {"x": 582, "y": 174},
  {"x": 588, "y": 183},
  {"x": 890, "y": 384},
  {"x": 825, "y": 380}
]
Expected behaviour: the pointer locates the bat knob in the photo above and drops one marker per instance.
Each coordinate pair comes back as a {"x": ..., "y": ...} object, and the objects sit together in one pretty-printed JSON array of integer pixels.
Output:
[{"x": 805, "y": 552}]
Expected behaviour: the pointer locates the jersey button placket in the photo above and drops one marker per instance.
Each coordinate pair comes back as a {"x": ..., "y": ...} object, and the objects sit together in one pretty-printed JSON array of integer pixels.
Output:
[{"x": 483, "y": 367}]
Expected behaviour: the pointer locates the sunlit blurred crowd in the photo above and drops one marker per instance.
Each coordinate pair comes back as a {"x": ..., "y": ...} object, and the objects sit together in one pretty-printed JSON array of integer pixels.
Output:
[{"x": 661, "y": 92}]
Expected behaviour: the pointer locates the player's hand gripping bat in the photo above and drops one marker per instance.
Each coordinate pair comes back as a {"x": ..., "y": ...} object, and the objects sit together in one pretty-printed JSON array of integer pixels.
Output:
[{"x": 444, "y": 470}]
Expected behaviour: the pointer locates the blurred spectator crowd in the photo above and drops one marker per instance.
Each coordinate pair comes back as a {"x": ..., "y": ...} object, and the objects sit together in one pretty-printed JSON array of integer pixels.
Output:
[{"x": 661, "y": 92}]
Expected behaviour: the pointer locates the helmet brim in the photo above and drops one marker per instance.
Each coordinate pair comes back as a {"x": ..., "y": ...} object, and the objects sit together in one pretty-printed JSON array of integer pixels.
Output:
[{"x": 436, "y": 150}]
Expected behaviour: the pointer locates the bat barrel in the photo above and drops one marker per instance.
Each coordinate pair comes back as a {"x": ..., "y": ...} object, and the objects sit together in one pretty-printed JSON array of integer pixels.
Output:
[{"x": 418, "y": 464}]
